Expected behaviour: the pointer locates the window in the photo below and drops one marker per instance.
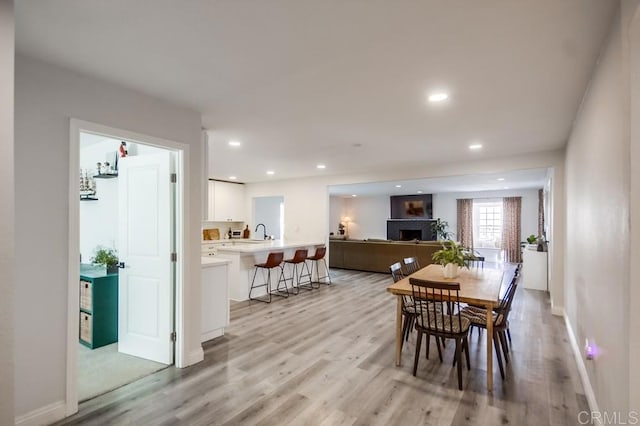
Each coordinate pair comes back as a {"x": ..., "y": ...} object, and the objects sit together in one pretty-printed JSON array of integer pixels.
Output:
[{"x": 487, "y": 224}]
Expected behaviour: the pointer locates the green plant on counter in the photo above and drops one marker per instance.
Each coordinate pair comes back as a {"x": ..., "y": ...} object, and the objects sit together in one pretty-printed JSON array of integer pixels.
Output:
[
  {"x": 105, "y": 256},
  {"x": 531, "y": 239},
  {"x": 452, "y": 252}
]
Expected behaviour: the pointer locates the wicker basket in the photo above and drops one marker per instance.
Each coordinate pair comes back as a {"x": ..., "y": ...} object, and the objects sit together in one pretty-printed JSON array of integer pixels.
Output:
[
  {"x": 86, "y": 291},
  {"x": 85, "y": 327}
]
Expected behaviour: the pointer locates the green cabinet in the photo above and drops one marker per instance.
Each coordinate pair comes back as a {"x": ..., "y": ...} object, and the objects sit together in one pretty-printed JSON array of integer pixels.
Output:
[{"x": 98, "y": 307}]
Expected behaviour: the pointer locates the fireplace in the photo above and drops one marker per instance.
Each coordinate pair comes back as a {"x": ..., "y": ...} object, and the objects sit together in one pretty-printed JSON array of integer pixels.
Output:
[
  {"x": 410, "y": 229},
  {"x": 410, "y": 234}
]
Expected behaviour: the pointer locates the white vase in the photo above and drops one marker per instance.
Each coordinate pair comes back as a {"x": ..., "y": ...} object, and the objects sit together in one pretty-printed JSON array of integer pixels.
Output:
[{"x": 451, "y": 270}]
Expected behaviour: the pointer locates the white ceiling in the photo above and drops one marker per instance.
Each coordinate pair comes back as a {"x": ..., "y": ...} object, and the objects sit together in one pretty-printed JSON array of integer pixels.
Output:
[
  {"x": 513, "y": 180},
  {"x": 338, "y": 82}
]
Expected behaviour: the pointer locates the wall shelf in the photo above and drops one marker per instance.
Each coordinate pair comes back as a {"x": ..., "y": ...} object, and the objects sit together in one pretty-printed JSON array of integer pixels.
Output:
[
  {"x": 105, "y": 176},
  {"x": 88, "y": 198}
]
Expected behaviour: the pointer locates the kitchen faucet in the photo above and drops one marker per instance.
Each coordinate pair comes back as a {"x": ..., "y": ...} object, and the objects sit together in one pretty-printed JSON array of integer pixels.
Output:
[{"x": 264, "y": 228}]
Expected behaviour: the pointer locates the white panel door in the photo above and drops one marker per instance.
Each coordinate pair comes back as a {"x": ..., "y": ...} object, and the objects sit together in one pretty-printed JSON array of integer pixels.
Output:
[{"x": 145, "y": 299}]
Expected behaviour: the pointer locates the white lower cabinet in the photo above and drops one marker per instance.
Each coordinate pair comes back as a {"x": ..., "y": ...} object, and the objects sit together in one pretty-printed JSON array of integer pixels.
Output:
[
  {"x": 534, "y": 269},
  {"x": 215, "y": 299}
]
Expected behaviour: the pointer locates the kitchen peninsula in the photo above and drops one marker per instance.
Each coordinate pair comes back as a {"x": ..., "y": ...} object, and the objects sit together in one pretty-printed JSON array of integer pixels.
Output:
[{"x": 244, "y": 254}]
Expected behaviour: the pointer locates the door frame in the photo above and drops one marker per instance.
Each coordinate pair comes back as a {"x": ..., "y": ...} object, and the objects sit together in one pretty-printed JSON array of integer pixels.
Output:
[{"x": 181, "y": 152}]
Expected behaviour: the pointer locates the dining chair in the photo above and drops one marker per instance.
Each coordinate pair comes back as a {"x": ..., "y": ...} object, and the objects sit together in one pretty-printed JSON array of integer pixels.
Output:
[
  {"x": 408, "y": 309},
  {"x": 411, "y": 265},
  {"x": 481, "y": 308},
  {"x": 431, "y": 321},
  {"x": 500, "y": 318}
]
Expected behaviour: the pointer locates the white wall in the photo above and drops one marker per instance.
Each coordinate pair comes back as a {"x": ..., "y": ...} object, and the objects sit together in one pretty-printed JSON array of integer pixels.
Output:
[
  {"x": 632, "y": 9},
  {"x": 266, "y": 210},
  {"x": 306, "y": 207},
  {"x": 46, "y": 98},
  {"x": 597, "y": 233},
  {"x": 98, "y": 219},
  {"x": 445, "y": 207},
  {"x": 7, "y": 259},
  {"x": 307, "y": 202},
  {"x": 370, "y": 214},
  {"x": 337, "y": 210}
]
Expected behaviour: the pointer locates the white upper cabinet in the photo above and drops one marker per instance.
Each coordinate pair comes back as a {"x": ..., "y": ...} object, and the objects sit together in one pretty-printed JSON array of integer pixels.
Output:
[{"x": 226, "y": 202}]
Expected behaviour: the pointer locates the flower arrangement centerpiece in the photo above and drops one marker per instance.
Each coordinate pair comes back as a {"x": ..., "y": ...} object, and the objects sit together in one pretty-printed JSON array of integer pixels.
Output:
[{"x": 452, "y": 257}]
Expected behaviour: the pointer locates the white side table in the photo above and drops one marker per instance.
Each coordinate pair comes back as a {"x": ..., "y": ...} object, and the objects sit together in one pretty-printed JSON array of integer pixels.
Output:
[{"x": 534, "y": 269}]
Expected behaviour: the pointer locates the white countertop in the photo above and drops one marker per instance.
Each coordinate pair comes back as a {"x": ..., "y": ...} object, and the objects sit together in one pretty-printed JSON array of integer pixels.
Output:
[
  {"x": 258, "y": 246},
  {"x": 208, "y": 261}
]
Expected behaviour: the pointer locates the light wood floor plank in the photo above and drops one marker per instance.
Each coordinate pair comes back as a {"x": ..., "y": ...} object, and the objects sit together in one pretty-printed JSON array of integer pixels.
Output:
[{"x": 327, "y": 357}]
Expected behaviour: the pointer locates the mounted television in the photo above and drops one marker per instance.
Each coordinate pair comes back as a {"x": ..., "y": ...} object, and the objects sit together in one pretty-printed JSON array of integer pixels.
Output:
[{"x": 411, "y": 206}]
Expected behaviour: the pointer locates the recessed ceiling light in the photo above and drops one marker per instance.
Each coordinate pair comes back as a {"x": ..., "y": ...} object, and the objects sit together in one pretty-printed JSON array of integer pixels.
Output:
[
  {"x": 321, "y": 166},
  {"x": 500, "y": 179},
  {"x": 398, "y": 186},
  {"x": 475, "y": 146},
  {"x": 232, "y": 178},
  {"x": 270, "y": 172},
  {"x": 419, "y": 192},
  {"x": 353, "y": 195},
  {"x": 234, "y": 143},
  {"x": 438, "y": 97}
]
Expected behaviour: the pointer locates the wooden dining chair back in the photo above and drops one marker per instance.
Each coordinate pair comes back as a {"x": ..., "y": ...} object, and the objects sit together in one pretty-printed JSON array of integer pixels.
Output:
[
  {"x": 411, "y": 265},
  {"x": 408, "y": 309},
  {"x": 396, "y": 272},
  {"x": 437, "y": 307},
  {"x": 500, "y": 320},
  {"x": 504, "y": 308}
]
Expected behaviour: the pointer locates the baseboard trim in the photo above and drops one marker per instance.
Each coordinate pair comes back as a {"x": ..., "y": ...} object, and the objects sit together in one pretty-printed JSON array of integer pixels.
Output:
[
  {"x": 557, "y": 311},
  {"x": 194, "y": 357},
  {"x": 44, "y": 415},
  {"x": 582, "y": 368},
  {"x": 212, "y": 334}
]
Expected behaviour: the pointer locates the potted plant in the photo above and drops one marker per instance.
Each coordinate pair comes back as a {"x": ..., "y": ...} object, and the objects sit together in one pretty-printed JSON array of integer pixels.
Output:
[
  {"x": 452, "y": 256},
  {"x": 106, "y": 257},
  {"x": 341, "y": 228},
  {"x": 440, "y": 228}
]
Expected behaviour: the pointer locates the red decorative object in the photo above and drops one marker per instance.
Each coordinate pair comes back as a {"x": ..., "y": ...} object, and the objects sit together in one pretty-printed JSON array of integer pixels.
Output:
[{"x": 123, "y": 149}]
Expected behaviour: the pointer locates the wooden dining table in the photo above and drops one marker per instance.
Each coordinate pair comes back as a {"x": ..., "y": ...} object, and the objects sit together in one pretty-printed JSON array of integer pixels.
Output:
[{"x": 477, "y": 286}]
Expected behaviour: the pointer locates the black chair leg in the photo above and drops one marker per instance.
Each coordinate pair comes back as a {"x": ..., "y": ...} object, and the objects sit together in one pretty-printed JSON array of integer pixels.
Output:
[
  {"x": 458, "y": 344},
  {"x": 428, "y": 344},
  {"x": 404, "y": 331},
  {"x": 417, "y": 355},
  {"x": 465, "y": 342},
  {"x": 505, "y": 349},
  {"x": 439, "y": 350},
  {"x": 509, "y": 335},
  {"x": 412, "y": 321},
  {"x": 496, "y": 345}
]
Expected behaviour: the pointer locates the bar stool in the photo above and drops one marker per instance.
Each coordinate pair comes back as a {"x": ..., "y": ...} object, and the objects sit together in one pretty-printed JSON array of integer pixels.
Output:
[
  {"x": 318, "y": 256},
  {"x": 274, "y": 260},
  {"x": 299, "y": 257}
]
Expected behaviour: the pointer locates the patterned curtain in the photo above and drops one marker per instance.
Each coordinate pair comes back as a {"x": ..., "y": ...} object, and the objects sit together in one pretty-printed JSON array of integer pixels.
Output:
[
  {"x": 540, "y": 212},
  {"x": 465, "y": 222},
  {"x": 511, "y": 207}
]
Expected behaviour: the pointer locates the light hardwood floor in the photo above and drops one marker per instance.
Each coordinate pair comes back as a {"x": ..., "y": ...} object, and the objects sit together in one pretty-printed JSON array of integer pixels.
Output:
[{"x": 326, "y": 357}]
